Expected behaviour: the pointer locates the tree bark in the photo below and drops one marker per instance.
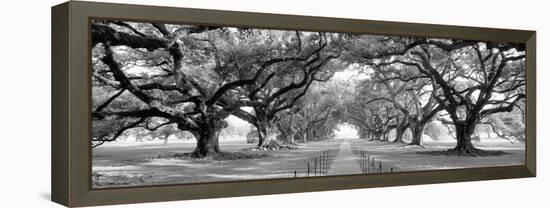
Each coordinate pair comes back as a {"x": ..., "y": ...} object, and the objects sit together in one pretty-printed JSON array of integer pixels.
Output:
[
  {"x": 464, "y": 133},
  {"x": 262, "y": 126},
  {"x": 291, "y": 138},
  {"x": 262, "y": 133},
  {"x": 308, "y": 134},
  {"x": 400, "y": 130},
  {"x": 287, "y": 135},
  {"x": 417, "y": 129},
  {"x": 267, "y": 137},
  {"x": 377, "y": 136},
  {"x": 207, "y": 142},
  {"x": 399, "y": 135},
  {"x": 291, "y": 132}
]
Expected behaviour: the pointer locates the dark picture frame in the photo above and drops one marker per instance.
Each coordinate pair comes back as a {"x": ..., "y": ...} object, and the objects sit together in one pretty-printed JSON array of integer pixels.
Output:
[{"x": 71, "y": 98}]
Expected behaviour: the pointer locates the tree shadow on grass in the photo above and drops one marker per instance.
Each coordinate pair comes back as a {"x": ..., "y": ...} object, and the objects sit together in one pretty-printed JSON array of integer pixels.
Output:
[
  {"x": 221, "y": 156},
  {"x": 476, "y": 153}
]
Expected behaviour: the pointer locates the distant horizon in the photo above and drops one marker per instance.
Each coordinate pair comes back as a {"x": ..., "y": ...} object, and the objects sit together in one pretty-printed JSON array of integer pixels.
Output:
[{"x": 345, "y": 131}]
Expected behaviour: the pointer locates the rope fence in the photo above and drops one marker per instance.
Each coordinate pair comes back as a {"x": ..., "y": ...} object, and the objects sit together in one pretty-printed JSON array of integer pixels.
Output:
[
  {"x": 318, "y": 165},
  {"x": 370, "y": 165}
]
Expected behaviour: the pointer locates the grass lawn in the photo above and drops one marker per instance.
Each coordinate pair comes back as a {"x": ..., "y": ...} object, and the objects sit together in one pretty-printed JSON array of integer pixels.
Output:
[
  {"x": 153, "y": 164},
  {"x": 141, "y": 165},
  {"x": 402, "y": 157}
]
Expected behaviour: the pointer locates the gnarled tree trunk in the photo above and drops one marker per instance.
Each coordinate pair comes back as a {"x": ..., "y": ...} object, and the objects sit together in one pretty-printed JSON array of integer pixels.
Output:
[
  {"x": 287, "y": 134},
  {"x": 399, "y": 135},
  {"x": 464, "y": 133},
  {"x": 417, "y": 129},
  {"x": 377, "y": 136},
  {"x": 290, "y": 138},
  {"x": 262, "y": 133},
  {"x": 267, "y": 137},
  {"x": 207, "y": 142},
  {"x": 400, "y": 130},
  {"x": 208, "y": 136}
]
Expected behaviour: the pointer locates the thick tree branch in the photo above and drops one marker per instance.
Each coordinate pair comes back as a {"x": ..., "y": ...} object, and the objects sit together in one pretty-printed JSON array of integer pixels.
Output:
[
  {"x": 107, "y": 35},
  {"x": 111, "y": 99},
  {"x": 121, "y": 77},
  {"x": 507, "y": 108}
]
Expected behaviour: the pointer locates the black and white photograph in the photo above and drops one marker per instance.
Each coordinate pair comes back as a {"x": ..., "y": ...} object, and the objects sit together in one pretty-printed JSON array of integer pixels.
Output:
[{"x": 185, "y": 103}]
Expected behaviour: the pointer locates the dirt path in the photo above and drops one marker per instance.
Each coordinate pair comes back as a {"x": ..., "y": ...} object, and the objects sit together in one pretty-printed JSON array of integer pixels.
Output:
[{"x": 345, "y": 162}]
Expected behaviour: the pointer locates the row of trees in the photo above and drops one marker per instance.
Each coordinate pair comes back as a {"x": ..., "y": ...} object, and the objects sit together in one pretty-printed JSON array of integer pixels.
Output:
[
  {"x": 153, "y": 77},
  {"x": 149, "y": 75},
  {"x": 462, "y": 83},
  {"x": 313, "y": 117}
]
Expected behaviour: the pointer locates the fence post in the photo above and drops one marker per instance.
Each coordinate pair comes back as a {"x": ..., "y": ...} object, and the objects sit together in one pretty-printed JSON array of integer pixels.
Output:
[
  {"x": 325, "y": 161},
  {"x": 324, "y": 164},
  {"x": 367, "y": 164},
  {"x": 362, "y": 161},
  {"x": 372, "y": 166},
  {"x": 380, "y": 167},
  {"x": 329, "y": 156},
  {"x": 294, "y": 174},
  {"x": 308, "y": 169},
  {"x": 320, "y": 165},
  {"x": 315, "y": 168},
  {"x": 391, "y": 170}
]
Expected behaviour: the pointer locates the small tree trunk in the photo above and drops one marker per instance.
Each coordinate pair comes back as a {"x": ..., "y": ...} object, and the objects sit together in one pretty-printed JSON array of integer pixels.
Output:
[
  {"x": 165, "y": 141},
  {"x": 399, "y": 131},
  {"x": 417, "y": 130},
  {"x": 262, "y": 126},
  {"x": 378, "y": 136},
  {"x": 262, "y": 134},
  {"x": 309, "y": 134},
  {"x": 291, "y": 132}
]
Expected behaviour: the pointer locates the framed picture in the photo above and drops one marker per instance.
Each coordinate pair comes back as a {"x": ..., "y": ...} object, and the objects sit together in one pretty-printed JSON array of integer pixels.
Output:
[{"x": 160, "y": 103}]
